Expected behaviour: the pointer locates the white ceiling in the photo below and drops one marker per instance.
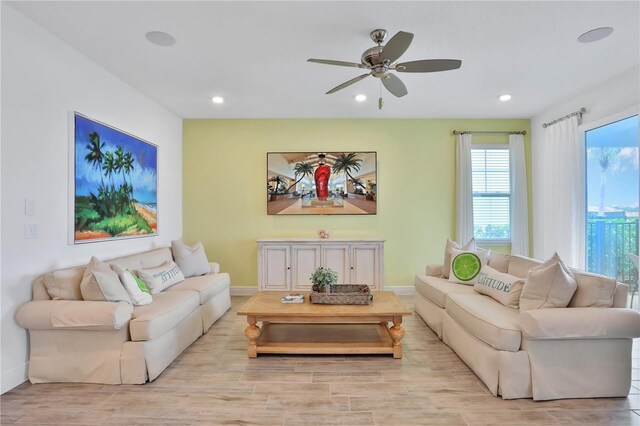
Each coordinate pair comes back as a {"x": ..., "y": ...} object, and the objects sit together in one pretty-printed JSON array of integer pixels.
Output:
[{"x": 254, "y": 53}]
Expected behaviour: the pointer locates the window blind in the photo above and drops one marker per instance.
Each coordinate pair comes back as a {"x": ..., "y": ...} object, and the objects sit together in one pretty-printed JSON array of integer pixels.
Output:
[{"x": 491, "y": 193}]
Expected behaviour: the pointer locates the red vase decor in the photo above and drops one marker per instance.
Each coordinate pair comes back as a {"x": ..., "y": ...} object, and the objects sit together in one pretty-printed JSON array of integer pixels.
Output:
[{"x": 321, "y": 176}]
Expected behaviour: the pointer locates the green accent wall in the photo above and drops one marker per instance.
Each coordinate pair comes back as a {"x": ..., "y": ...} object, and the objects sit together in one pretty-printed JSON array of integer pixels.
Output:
[{"x": 224, "y": 186}]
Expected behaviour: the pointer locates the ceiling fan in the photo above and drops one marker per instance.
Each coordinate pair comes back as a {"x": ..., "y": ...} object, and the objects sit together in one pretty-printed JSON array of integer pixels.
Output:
[{"x": 380, "y": 60}]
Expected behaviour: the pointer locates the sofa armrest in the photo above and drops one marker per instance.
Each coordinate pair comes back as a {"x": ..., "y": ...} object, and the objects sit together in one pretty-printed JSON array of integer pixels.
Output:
[
  {"x": 580, "y": 323},
  {"x": 435, "y": 270},
  {"x": 215, "y": 267},
  {"x": 74, "y": 315}
]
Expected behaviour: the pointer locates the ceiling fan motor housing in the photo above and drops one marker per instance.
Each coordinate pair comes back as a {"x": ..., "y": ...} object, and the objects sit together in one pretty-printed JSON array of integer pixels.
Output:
[{"x": 371, "y": 59}]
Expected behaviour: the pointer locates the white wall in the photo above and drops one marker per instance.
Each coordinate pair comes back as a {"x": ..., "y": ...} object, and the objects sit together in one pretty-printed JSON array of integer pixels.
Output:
[
  {"x": 42, "y": 80},
  {"x": 611, "y": 97}
]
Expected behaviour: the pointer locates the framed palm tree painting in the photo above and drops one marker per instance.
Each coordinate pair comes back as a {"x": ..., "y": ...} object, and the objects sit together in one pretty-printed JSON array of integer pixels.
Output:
[
  {"x": 114, "y": 183},
  {"x": 301, "y": 183}
]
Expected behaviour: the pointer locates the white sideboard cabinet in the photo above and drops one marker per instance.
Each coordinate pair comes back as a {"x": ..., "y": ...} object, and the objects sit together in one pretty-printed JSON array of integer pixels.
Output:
[{"x": 287, "y": 264}]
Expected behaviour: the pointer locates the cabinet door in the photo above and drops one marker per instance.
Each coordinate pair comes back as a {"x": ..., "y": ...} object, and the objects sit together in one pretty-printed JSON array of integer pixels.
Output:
[
  {"x": 365, "y": 265},
  {"x": 275, "y": 267},
  {"x": 338, "y": 258},
  {"x": 305, "y": 259}
]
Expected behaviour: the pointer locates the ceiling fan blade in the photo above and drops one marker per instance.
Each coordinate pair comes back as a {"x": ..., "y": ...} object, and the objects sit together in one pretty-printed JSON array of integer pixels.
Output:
[
  {"x": 394, "y": 85},
  {"x": 339, "y": 63},
  {"x": 395, "y": 47},
  {"x": 347, "y": 83},
  {"x": 429, "y": 65}
]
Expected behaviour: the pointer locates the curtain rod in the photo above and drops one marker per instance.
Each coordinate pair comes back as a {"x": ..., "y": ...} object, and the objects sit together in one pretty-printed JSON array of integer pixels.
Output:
[
  {"x": 557, "y": 120},
  {"x": 466, "y": 132}
]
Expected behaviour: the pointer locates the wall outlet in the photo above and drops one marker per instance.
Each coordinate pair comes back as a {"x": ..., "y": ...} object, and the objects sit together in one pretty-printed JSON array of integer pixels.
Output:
[
  {"x": 30, "y": 230},
  {"x": 29, "y": 207}
]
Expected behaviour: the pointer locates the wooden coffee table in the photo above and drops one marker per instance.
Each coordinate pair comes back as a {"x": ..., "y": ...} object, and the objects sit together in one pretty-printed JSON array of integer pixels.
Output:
[{"x": 307, "y": 328}]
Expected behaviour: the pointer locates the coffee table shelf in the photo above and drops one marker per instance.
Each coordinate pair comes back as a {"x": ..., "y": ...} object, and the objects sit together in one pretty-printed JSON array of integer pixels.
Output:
[{"x": 329, "y": 339}]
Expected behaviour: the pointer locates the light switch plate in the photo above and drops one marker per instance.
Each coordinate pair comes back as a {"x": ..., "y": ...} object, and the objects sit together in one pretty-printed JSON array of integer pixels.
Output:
[
  {"x": 29, "y": 207},
  {"x": 30, "y": 231}
]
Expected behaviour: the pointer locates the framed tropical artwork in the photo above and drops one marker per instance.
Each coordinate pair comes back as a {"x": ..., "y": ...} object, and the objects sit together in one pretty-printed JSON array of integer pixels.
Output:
[
  {"x": 114, "y": 183},
  {"x": 325, "y": 183}
]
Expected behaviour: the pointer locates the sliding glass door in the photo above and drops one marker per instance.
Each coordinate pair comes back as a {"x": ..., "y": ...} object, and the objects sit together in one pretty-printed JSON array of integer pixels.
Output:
[{"x": 613, "y": 197}]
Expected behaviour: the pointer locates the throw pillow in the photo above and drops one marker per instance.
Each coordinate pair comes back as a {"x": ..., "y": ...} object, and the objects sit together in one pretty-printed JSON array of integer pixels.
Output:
[
  {"x": 466, "y": 265},
  {"x": 64, "y": 284},
  {"x": 499, "y": 261},
  {"x": 135, "y": 287},
  {"x": 500, "y": 286},
  {"x": 550, "y": 285},
  {"x": 192, "y": 261},
  {"x": 595, "y": 291},
  {"x": 100, "y": 283},
  {"x": 161, "y": 277},
  {"x": 452, "y": 245}
]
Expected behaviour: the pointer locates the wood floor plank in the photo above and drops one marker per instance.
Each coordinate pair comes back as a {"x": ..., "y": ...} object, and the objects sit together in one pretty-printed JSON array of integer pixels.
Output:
[{"x": 324, "y": 418}]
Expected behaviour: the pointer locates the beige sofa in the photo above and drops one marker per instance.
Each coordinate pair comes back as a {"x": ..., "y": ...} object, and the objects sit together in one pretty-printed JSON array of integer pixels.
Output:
[
  {"x": 581, "y": 351},
  {"x": 113, "y": 343}
]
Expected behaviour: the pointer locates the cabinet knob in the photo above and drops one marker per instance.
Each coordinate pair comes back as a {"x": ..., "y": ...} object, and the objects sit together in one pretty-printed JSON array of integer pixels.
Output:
[
  {"x": 352, "y": 267},
  {"x": 288, "y": 267}
]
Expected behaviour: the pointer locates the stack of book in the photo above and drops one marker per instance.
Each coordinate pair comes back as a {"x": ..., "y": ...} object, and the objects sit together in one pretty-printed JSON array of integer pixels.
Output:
[{"x": 292, "y": 298}]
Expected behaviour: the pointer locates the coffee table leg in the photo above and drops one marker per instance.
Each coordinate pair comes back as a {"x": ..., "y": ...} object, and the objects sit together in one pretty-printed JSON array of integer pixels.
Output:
[
  {"x": 252, "y": 332},
  {"x": 397, "y": 333}
]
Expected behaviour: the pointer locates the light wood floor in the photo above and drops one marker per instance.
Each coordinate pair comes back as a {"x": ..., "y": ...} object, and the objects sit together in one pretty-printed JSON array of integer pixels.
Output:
[{"x": 214, "y": 383}]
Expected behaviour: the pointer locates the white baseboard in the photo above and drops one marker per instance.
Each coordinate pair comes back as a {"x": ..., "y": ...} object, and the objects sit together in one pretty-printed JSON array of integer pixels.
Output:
[
  {"x": 239, "y": 290},
  {"x": 404, "y": 290},
  {"x": 14, "y": 378}
]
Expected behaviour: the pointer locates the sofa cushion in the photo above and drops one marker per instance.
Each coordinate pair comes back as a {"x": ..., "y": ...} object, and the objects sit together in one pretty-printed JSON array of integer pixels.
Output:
[
  {"x": 594, "y": 291},
  {"x": 166, "y": 311},
  {"x": 147, "y": 259},
  {"x": 436, "y": 288},
  {"x": 550, "y": 285},
  {"x": 470, "y": 246},
  {"x": 207, "y": 286},
  {"x": 192, "y": 261},
  {"x": 501, "y": 287},
  {"x": 486, "y": 319},
  {"x": 64, "y": 284},
  {"x": 519, "y": 266}
]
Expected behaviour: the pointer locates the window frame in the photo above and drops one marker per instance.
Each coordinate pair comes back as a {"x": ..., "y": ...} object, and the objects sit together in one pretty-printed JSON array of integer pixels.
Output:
[
  {"x": 582, "y": 146},
  {"x": 495, "y": 241}
]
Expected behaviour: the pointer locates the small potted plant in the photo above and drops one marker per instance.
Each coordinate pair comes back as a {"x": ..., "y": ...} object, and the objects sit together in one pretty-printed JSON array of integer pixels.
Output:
[{"x": 322, "y": 279}]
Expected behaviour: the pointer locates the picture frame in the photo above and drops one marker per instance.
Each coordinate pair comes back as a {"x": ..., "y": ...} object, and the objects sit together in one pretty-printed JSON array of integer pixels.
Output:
[
  {"x": 113, "y": 183},
  {"x": 322, "y": 183}
]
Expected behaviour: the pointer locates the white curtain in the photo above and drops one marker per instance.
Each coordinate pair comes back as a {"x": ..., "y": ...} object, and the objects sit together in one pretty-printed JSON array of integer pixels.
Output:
[
  {"x": 464, "y": 190},
  {"x": 563, "y": 193},
  {"x": 519, "y": 205}
]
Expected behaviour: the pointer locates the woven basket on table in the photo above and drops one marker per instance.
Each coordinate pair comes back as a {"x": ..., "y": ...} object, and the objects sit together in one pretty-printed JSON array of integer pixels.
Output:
[{"x": 344, "y": 294}]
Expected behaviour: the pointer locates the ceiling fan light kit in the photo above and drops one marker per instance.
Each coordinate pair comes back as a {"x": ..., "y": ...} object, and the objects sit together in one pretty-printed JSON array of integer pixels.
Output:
[{"x": 381, "y": 60}]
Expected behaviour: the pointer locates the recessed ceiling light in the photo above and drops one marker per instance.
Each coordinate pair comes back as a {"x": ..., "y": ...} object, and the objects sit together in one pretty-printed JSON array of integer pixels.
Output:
[
  {"x": 361, "y": 98},
  {"x": 504, "y": 98},
  {"x": 217, "y": 100},
  {"x": 595, "y": 34},
  {"x": 160, "y": 39}
]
